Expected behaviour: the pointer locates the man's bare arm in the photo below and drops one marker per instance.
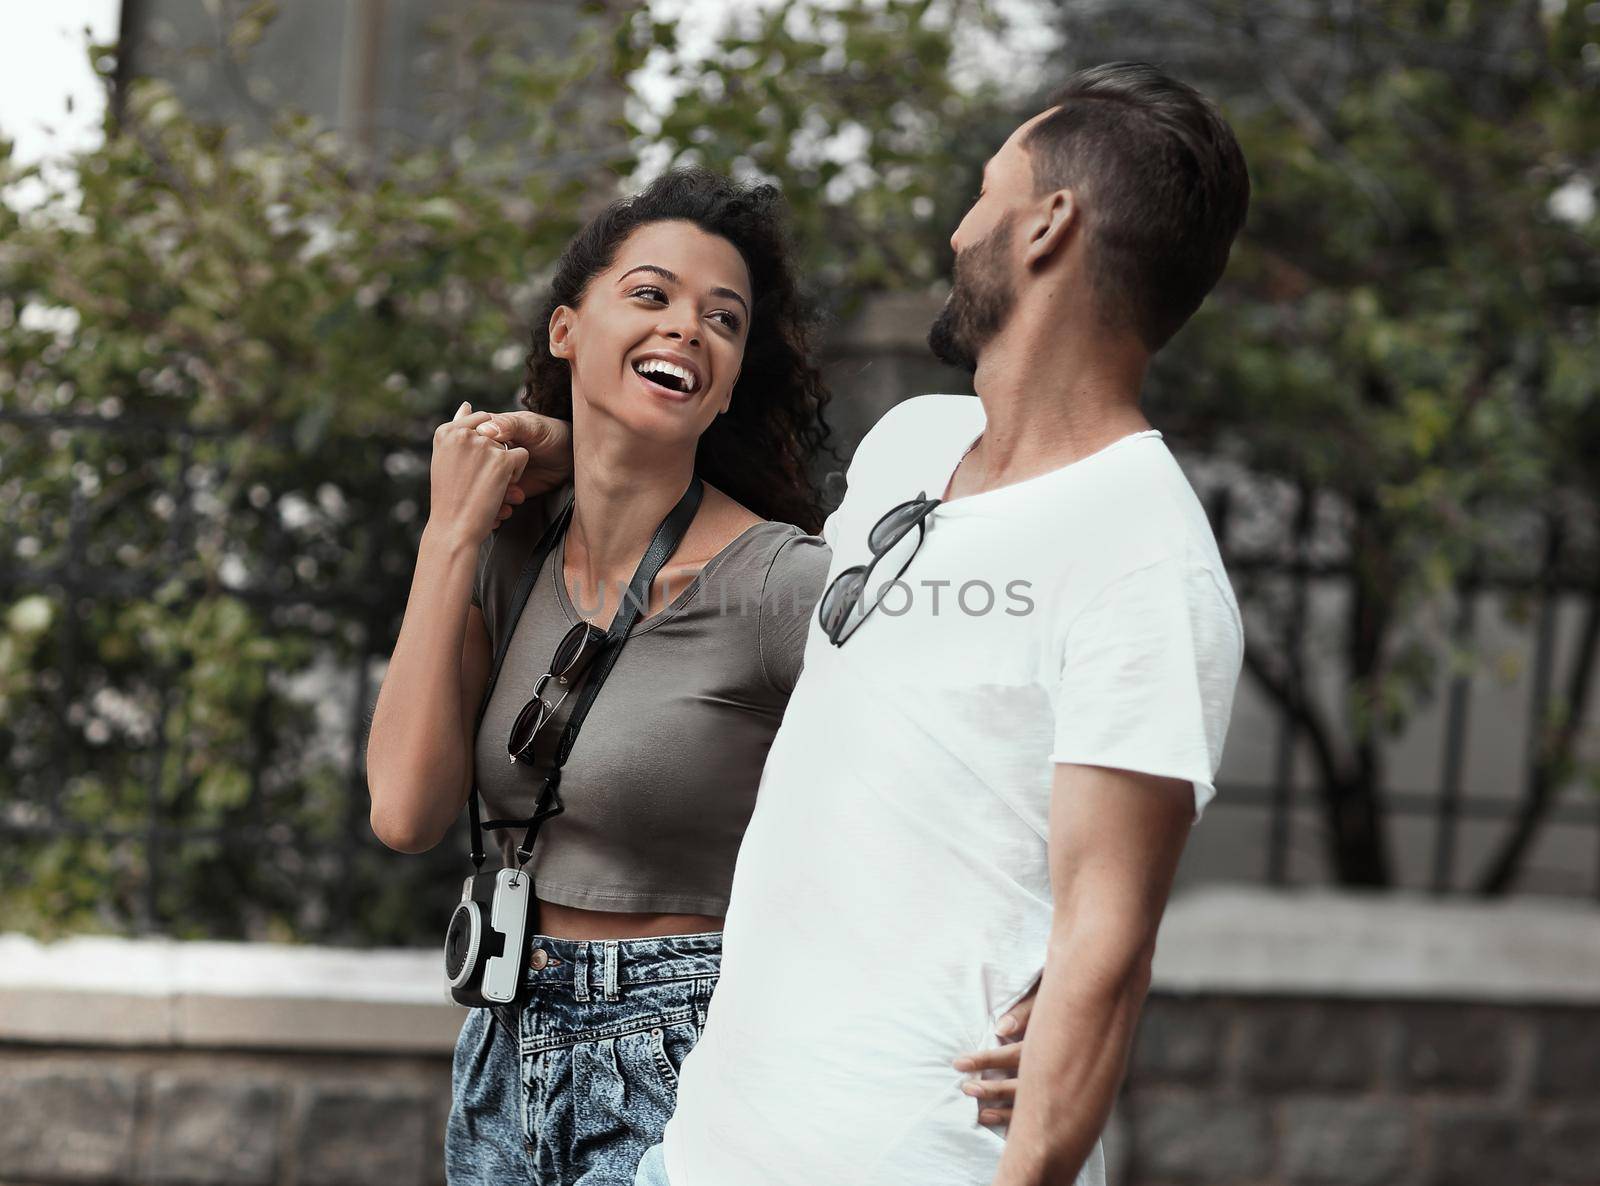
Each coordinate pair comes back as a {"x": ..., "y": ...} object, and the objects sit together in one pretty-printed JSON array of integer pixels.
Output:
[{"x": 1115, "y": 839}]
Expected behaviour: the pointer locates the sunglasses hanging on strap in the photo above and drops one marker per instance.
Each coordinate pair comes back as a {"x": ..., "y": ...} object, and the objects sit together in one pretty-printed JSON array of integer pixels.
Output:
[{"x": 496, "y": 909}]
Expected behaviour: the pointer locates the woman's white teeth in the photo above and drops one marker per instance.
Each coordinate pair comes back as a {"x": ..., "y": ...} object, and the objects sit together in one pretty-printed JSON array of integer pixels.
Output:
[{"x": 685, "y": 380}]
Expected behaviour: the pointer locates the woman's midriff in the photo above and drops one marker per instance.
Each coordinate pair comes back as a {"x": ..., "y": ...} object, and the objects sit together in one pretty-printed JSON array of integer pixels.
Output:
[{"x": 571, "y": 922}]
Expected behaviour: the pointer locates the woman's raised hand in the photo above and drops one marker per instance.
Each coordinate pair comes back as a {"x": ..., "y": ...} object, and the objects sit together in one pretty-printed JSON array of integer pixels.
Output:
[
  {"x": 470, "y": 477},
  {"x": 548, "y": 442}
]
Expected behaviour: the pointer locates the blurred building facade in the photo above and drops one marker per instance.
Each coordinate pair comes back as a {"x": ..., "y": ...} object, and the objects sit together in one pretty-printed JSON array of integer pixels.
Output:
[{"x": 384, "y": 73}]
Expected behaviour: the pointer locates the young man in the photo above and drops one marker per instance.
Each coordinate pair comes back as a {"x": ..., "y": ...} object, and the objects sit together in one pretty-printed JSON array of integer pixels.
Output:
[
  {"x": 996, "y": 767},
  {"x": 988, "y": 769}
]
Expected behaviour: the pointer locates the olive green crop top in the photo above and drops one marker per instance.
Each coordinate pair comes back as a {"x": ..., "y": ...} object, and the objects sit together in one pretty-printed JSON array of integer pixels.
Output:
[{"x": 662, "y": 780}]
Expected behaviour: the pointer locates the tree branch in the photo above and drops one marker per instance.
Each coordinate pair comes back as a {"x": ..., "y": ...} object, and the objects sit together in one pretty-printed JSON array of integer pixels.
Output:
[{"x": 1289, "y": 694}]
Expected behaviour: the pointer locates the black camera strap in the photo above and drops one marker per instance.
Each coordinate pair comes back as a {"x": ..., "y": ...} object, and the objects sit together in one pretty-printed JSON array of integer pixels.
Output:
[{"x": 662, "y": 545}]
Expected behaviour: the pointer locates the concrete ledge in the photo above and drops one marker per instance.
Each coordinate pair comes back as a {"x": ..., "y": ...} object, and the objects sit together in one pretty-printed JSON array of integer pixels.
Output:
[
  {"x": 1245, "y": 941},
  {"x": 1226, "y": 939},
  {"x": 94, "y": 990}
]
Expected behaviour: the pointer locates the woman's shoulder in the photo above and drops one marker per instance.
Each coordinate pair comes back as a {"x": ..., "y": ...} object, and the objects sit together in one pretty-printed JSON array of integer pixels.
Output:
[
  {"x": 727, "y": 519},
  {"x": 770, "y": 554},
  {"x": 786, "y": 590},
  {"x": 776, "y": 563},
  {"x": 794, "y": 556},
  {"x": 737, "y": 520}
]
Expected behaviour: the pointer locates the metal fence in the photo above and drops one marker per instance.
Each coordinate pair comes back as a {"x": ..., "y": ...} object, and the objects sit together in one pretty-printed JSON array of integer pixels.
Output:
[
  {"x": 1556, "y": 570},
  {"x": 264, "y": 844},
  {"x": 181, "y": 867}
]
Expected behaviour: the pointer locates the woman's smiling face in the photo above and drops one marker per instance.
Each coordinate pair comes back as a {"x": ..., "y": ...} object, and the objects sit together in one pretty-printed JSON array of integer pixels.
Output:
[{"x": 658, "y": 338}]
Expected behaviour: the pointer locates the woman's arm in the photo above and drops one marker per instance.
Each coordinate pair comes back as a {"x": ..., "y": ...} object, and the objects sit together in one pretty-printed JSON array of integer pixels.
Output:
[
  {"x": 419, "y": 750},
  {"x": 419, "y": 753}
]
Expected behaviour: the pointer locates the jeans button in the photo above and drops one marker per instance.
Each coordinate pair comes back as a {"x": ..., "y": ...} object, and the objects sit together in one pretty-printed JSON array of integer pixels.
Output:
[{"x": 539, "y": 958}]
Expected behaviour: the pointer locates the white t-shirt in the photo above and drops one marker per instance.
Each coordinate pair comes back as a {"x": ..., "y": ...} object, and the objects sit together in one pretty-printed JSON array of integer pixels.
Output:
[{"x": 892, "y": 896}]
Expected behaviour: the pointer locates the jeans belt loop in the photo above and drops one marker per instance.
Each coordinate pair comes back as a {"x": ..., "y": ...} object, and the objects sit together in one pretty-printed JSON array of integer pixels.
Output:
[
  {"x": 580, "y": 973},
  {"x": 611, "y": 971}
]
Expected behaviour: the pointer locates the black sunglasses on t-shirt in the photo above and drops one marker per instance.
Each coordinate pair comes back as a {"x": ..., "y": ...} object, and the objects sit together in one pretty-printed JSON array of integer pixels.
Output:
[
  {"x": 837, "y": 611},
  {"x": 574, "y": 653}
]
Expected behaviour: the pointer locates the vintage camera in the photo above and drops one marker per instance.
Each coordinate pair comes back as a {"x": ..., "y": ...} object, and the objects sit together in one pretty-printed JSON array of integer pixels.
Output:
[{"x": 483, "y": 949}]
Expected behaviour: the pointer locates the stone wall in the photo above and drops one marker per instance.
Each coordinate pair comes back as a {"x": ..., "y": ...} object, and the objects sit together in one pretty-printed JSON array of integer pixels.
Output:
[
  {"x": 221, "y": 1117},
  {"x": 1289, "y": 1040},
  {"x": 1240, "y": 1090}
]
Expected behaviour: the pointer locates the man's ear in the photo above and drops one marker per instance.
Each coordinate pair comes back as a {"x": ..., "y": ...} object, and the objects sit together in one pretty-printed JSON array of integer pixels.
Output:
[
  {"x": 1053, "y": 222},
  {"x": 561, "y": 332}
]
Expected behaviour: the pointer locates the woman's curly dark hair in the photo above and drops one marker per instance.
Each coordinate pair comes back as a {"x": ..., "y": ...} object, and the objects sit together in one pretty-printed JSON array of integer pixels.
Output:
[{"x": 759, "y": 451}]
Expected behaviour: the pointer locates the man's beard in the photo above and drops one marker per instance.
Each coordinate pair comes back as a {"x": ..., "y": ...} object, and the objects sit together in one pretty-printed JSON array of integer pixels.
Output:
[{"x": 981, "y": 296}]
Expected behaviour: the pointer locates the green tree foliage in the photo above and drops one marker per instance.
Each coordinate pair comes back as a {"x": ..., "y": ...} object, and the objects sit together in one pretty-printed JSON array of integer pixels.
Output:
[
  {"x": 273, "y": 327},
  {"x": 854, "y": 111},
  {"x": 1408, "y": 327}
]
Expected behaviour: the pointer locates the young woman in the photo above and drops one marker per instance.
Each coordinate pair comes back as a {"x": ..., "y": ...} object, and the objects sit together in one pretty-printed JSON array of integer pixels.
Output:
[{"x": 677, "y": 344}]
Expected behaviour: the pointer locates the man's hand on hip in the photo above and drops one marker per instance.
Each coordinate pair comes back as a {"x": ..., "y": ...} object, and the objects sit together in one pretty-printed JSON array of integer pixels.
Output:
[{"x": 997, "y": 1097}]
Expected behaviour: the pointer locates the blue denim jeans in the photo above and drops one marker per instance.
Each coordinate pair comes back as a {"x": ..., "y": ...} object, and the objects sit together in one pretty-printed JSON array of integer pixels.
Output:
[
  {"x": 574, "y": 1086},
  {"x": 653, "y": 1169}
]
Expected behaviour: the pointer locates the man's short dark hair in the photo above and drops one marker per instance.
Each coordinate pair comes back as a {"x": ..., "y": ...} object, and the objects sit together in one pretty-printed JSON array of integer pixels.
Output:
[{"x": 1163, "y": 186}]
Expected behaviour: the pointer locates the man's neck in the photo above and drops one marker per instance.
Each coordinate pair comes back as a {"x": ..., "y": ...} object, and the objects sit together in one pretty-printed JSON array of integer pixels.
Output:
[{"x": 1049, "y": 399}]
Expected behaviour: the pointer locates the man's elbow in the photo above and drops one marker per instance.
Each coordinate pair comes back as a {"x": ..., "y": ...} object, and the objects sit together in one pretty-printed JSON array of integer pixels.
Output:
[{"x": 1109, "y": 964}]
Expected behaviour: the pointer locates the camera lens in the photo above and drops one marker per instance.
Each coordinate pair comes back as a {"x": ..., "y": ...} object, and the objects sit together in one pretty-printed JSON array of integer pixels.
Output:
[{"x": 461, "y": 941}]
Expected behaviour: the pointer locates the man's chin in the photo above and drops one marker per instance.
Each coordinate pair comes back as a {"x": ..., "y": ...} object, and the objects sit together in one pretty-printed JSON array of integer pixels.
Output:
[{"x": 947, "y": 347}]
